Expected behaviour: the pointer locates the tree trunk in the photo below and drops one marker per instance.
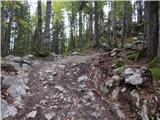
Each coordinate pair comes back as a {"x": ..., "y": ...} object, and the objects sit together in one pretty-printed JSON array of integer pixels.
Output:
[
  {"x": 2, "y": 30},
  {"x": 139, "y": 12},
  {"x": 124, "y": 24},
  {"x": 8, "y": 31},
  {"x": 158, "y": 52},
  {"x": 39, "y": 21},
  {"x": 80, "y": 25},
  {"x": 90, "y": 25},
  {"x": 96, "y": 26},
  {"x": 152, "y": 28},
  {"x": 115, "y": 23},
  {"x": 47, "y": 24}
]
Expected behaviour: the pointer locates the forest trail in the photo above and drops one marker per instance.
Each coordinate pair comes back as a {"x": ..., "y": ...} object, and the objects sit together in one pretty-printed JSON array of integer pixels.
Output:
[{"x": 59, "y": 91}]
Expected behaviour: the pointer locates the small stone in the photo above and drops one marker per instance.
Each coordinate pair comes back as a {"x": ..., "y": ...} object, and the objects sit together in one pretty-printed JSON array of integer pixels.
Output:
[
  {"x": 115, "y": 92},
  {"x": 82, "y": 78},
  {"x": 61, "y": 89},
  {"x": 32, "y": 114},
  {"x": 144, "y": 111},
  {"x": 49, "y": 116},
  {"x": 68, "y": 74},
  {"x": 61, "y": 66},
  {"x": 43, "y": 102},
  {"x": 94, "y": 114},
  {"x": 54, "y": 73}
]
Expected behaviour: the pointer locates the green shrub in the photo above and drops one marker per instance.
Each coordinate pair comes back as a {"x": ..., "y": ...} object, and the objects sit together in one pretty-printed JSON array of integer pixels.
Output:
[
  {"x": 153, "y": 63},
  {"x": 134, "y": 56},
  {"x": 119, "y": 63},
  {"x": 155, "y": 72}
]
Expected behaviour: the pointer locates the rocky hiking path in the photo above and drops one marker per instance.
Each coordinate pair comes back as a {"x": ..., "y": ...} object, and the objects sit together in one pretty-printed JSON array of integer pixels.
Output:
[
  {"x": 59, "y": 91},
  {"x": 81, "y": 88}
]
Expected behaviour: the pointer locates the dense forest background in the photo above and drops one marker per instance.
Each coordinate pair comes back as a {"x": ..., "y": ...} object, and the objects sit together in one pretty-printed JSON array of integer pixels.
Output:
[{"x": 44, "y": 31}]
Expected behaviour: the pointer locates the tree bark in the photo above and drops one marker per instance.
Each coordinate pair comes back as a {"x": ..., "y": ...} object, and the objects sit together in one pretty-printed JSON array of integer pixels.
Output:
[
  {"x": 158, "y": 52},
  {"x": 96, "y": 26},
  {"x": 152, "y": 28},
  {"x": 115, "y": 23},
  {"x": 8, "y": 31},
  {"x": 80, "y": 24},
  {"x": 124, "y": 24},
  {"x": 91, "y": 25},
  {"x": 48, "y": 19},
  {"x": 139, "y": 12}
]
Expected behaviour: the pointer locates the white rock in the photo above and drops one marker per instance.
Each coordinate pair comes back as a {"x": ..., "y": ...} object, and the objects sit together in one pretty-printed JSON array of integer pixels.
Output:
[
  {"x": 43, "y": 102},
  {"x": 135, "y": 94},
  {"x": 26, "y": 67},
  {"x": 144, "y": 111},
  {"x": 109, "y": 83},
  {"x": 75, "y": 53},
  {"x": 32, "y": 114},
  {"x": 116, "y": 77},
  {"x": 115, "y": 92},
  {"x": 127, "y": 72},
  {"x": 13, "y": 58},
  {"x": 113, "y": 54},
  {"x": 134, "y": 79},
  {"x": 61, "y": 66},
  {"x": 7, "y": 110},
  {"x": 61, "y": 89},
  {"x": 82, "y": 78},
  {"x": 49, "y": 116}
]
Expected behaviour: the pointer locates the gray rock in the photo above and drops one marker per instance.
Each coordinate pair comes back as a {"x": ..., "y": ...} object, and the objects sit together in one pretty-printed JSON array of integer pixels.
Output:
[
  {"x": 29, "y": 56},
  {"x": 13, "y": 58},
  {"x": 136, "y": 95},
  {"x": 16, "y": 91},
  {"x": 61, "y": 89},
  {"x": 32, "y": 114},
  {"x": 8, "y": 80},
  {"x": 43, "y": 102},
  {"x": 115, "y": 92},
  {"x": 109, "y": 83},
  {"x": 49, "y": 116},
  {"x": 26, "y": 67},
  {"x": 94, "y": 114},
  {"x": 75, "y": 53},
  {"x": 61, "y": 66},
  {"x": 134, "y": 79},
  {"x": 144, "y": 111},
  {"x": 133, "y": 76},
  {"x": 7, "y": 110},
  {"x": 119, "y": 112},
  {"x": 82, "y": 78},
  {"x": 104, "y": 90}
]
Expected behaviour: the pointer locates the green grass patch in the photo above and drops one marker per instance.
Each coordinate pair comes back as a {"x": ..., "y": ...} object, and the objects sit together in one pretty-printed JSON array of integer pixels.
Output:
[
  {"x": 153, "y": 63},
  {"x": 155, "y": 72},
  {"x": 134, "y": 56}
]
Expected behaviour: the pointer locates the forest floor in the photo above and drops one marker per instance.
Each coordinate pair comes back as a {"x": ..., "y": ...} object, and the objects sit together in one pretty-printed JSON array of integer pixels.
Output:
[{"x": 63, "y": 90}]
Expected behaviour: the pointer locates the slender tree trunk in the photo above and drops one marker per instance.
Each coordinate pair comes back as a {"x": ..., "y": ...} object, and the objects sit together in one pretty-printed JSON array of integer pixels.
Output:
[
  {"x": 48, "y": 19},
  {"x": 39, "y": 21},
  {"x": 91, "y": 25},
  {"x": 139, "y": 12},
  {"x": 158, "y": 52},
  {"x": 152, "y": 28},
  {"x": 115, "y": 23},
  {"x": 2, "y": 30},
  {"x": 124, "y": 24},
  {"x": 8, "y": 31},
  {"x": 96, "y": 26},
  {"x": 80, "y": 24}
]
